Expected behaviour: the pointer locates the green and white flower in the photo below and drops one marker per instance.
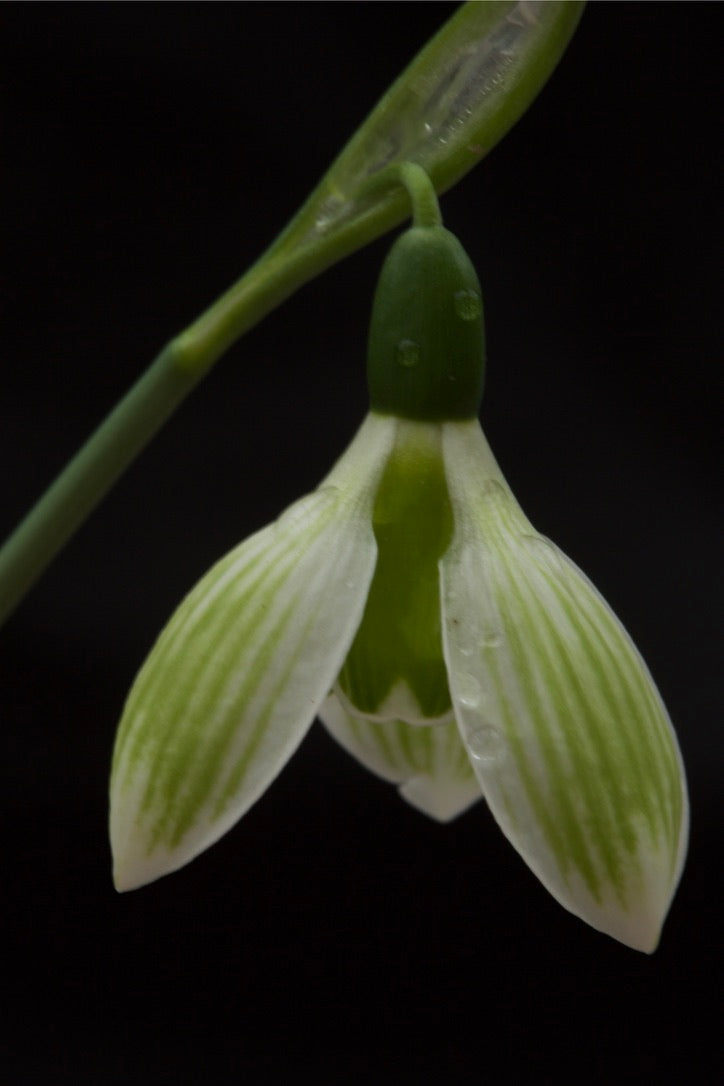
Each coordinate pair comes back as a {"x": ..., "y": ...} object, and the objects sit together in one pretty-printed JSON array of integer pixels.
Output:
[{"x": 444, "y": 643}]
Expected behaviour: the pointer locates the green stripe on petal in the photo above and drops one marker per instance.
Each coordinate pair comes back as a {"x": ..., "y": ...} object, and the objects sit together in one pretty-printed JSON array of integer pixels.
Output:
[
  {"x": 428, "y": 761},
  {"x": 566, "y": 731},
  {"x": 236, "y": 677}
]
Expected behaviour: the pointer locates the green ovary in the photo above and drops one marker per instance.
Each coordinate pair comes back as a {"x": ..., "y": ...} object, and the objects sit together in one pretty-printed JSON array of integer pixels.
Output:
[{"x": 399, "y": 641}]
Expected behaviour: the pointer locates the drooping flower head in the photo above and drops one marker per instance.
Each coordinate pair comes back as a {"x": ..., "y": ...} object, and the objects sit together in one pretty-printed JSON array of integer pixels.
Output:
[{"x": 450, "y": 648}]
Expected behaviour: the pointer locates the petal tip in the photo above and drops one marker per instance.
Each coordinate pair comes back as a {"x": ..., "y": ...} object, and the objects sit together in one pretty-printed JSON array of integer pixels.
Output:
[
  {"x": 133, "y": 869},
  {"x": 442, "y": 802},
  {"x": 130, "y": 872},
  {"x": 637, "y": 931},
  {"x": 636, "y": 920}
]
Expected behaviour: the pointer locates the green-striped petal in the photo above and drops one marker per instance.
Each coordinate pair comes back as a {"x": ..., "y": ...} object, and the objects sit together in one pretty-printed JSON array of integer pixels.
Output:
[
  {"x": 565, "y": 729},
  {"x": 236, "y": 677},
  {"x": 428, "y": 761}
]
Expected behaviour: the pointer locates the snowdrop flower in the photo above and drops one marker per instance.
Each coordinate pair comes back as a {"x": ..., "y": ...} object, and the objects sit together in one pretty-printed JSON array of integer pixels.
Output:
[{"x": 448, "y": 646}]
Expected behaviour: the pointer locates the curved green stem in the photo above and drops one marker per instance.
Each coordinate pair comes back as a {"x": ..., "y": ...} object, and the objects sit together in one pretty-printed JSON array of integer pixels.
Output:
[
  {"x": 425, "y": 208},
  {"x": 89, "y": 475}
]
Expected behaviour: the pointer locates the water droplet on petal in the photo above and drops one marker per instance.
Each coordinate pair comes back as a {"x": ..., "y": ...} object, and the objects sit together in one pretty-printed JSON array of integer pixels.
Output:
[
  {"x": 307, "y": 506},
  {"x": 328, "y": 491},
  {"x": 491, "y": 488},
  {"x": 543, "y": 551},
  {"x": 468, "y": 692},
  {"x": 485, "y": 743},
  {"x": 467, "y": 304},
  {"x": 488, "y": 639},
  {"x": 408, "y": 352}
]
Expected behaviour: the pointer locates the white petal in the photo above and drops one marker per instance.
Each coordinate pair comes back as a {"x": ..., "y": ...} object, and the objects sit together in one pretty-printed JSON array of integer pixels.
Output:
[
  {"x": 566, "y": 731},
  {"x": 236, "y": 677},
  {"x": 428, "y": 761}
]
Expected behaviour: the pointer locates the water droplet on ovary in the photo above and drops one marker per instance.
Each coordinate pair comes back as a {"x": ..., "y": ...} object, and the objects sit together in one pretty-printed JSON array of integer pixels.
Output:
[
  {"x": 485, "y": 743},
  {"x": 467, "y": 304},
  {"x": 408, "y": 352}
]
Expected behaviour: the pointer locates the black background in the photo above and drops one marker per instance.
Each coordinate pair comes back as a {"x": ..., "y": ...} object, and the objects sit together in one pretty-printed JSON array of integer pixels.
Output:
[{"x": 149, "y": 153}]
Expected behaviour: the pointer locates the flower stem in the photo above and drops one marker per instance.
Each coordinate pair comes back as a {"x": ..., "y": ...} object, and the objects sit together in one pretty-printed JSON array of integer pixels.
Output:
[
  {"x": 425, "y": 208},
  {"x": 89, "y": 475}
]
